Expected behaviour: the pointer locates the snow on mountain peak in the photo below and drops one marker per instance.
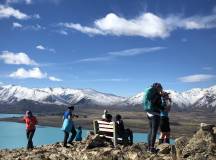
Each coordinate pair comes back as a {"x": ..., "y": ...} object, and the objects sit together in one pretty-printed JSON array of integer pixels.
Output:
[{"x": 63, "y": 96}]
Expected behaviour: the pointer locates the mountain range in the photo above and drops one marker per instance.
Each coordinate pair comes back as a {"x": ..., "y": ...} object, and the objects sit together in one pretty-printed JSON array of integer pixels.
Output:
[{"x": 194, "y": 99}]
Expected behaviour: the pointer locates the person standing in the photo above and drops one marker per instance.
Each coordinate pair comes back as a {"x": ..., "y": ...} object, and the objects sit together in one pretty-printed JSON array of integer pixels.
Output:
[
  {"x": 30, "y": 121},
  {"x": 68, "y": 126},
  {"x": 164, "y": 121},
  {"x": 153, "y": 106}
]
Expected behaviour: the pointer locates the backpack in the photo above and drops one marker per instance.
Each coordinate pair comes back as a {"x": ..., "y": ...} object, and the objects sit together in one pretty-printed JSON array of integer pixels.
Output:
[{"x": 146, "y": 102}]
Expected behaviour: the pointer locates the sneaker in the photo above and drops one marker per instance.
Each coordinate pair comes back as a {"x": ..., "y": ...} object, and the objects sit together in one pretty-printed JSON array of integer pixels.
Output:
[{"x": 66, "y": 146}]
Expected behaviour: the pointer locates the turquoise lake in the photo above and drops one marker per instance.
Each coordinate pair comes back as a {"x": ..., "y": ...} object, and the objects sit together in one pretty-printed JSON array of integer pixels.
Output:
[{"x": 12, "y": 135}]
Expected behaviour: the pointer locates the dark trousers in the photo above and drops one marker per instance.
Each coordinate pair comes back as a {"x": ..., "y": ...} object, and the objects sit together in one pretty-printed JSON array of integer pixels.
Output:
[
  {"x": 29, "y": 135},
  {"x": 129, "y": 134},
  {"x": 66, "y": 135},
  {"x": 154, "y": 123}
]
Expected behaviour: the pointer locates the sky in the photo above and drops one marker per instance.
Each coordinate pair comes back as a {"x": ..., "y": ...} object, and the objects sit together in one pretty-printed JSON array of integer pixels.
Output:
[{"x": 116, "y": 46}]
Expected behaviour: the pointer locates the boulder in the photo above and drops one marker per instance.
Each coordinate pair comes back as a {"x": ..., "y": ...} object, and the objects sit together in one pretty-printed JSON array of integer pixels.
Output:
[
  {"x": 202, "y": 144},
  {"x": 95, "y": 141},
  {"x": 206, "y": 127},
  {"x": 164, "y": 148},
  {"x": 180, "y": 143},
  {"x": 214, "y": 130}
]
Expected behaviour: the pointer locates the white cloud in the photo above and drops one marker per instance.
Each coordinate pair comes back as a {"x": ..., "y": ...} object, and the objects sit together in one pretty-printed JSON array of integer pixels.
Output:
[
  {"x": 207, "y": 68},
  {"x": 135, "y": 51},
  {"x": 1, "y": 83},
  {"x": 95, "y": 59},
  {"x": 63, "y": 32},
  {"x": 123, "y": 53},
  {"x": 196, "y": 78},
  {"x": 36, "y": 27},
  {"x": 41, "y": 47},
  {"x": 146, "y": 25},
  {"x": 34, "y": 73},
  {"x": 7, "y": 12},
  {"x": 16, "y": 58},
  {"x": 214, "y": 9},
  {"x": 21, "y": 73},
  {"x": 83, "y": 29},
  {"x": 19, "y": 1},
  {"x": 52, "y": 78},
  {"x": 17, "y": 25},
  {"x": 37, "y": 16}
]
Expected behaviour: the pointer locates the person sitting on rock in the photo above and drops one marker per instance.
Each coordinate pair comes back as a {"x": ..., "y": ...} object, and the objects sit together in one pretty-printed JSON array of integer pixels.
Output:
[
  {"x": 79, "y": 134},
  {"x": 122, "y": 132}
]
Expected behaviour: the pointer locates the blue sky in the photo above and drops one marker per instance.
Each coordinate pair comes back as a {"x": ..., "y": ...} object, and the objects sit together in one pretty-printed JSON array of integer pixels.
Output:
[{"x": 115, "y": 46}]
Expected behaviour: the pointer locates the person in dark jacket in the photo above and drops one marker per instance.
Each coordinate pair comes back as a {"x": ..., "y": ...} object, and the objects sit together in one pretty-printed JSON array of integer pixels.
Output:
[
  {"x": 31, "y": 122},
  {"x": 122, "y": 132},
  {"x": 153, "y": 99}
]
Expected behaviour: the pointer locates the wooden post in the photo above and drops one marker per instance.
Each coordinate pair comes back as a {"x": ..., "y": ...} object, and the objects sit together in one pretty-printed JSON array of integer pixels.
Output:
[
  {"x": 95, "y": 124},
  {"x": 114, "y": 135}
]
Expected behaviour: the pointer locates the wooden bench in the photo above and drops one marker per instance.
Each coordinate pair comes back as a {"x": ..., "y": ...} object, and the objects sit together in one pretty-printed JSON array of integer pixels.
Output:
[{"x": 103, "y": 128}]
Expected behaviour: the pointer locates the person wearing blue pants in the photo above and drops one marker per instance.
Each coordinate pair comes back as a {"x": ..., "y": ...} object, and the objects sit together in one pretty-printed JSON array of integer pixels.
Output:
[
  {"x": 68, "y": 126},
  {"x": 153, "y": 106}
]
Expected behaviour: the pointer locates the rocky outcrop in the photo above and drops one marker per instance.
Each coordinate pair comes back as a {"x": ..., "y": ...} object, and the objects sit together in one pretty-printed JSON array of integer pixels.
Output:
[{"x": 202, "y": 146}]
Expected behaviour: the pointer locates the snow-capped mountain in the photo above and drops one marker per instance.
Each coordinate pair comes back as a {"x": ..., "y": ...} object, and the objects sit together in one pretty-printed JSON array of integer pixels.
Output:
[
  {"x": 192, "y": 99},
  {"x": 189, "y": 100},
  {"x": 12, "y": 94}
]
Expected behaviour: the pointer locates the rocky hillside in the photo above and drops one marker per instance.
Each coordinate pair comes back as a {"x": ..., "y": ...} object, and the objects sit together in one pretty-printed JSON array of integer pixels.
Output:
[{"x": 202, "y": 146}]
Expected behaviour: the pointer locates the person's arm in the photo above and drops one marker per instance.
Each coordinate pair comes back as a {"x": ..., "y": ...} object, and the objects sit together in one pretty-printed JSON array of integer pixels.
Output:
[
  {"x": 24, "y": 119},
  {"x": 36, "y": 121}
]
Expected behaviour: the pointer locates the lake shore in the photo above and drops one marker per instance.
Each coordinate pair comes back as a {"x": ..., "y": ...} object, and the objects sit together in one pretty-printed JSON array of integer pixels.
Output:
[{"x": 182, "y": 123}]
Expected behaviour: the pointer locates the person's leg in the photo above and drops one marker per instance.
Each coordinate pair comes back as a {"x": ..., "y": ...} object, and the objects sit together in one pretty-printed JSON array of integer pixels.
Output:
[
  {"x": 131, "y": 136},
  {"x": 149, "y": 132},
  {"x": 125, "y": 136},
  {"x": 27, "y": 135},
  {"x": 155, "y": 126},
  {"x": 73, "y": 131},
  {"x": 161, "y": 139},
  {"x": 167, "y": 130},
  {"x": 66, "y": 135},
  {"x": 31, "y": 134},
  {"x": 167, "y": 137}
]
